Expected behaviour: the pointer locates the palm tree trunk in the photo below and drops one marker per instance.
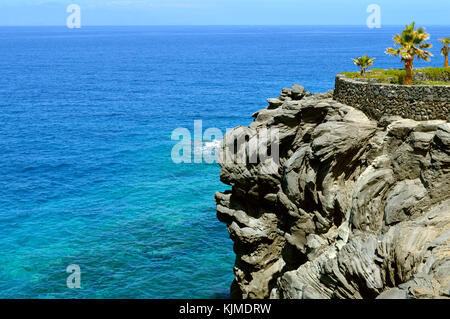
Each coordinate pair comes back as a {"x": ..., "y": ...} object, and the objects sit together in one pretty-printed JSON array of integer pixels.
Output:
[
  {"x": 408, "y": 68},
  {"x": 363, "y": 71},
  {"x": 446, "y": 61}
]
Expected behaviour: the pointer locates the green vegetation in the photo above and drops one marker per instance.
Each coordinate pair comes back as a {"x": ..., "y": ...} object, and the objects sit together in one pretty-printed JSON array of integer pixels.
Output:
[
  {"x": 364, "y": 62},
  {"x": 435, "y": 73},
  {"x": 445, "y": 50},
  {"x": 396, "y": 76},
  {"x": 411, "y": 44},
  {"x": 391, "y": 76}
]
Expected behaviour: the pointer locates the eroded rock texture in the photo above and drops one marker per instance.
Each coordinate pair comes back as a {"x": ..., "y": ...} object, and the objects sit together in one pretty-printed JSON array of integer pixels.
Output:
[{"x": 354, "y": 209}]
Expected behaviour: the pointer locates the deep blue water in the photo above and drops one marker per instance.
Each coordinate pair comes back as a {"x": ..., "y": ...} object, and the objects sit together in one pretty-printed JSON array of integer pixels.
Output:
[{"x": 85, "y": 123}]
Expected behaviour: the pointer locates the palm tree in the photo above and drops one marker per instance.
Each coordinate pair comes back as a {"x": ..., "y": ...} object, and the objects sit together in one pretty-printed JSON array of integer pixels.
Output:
[
  {"x": 364, "y": 62},
  {"x": 445, "y": 50},
  {"x": 411, "y": 44}
]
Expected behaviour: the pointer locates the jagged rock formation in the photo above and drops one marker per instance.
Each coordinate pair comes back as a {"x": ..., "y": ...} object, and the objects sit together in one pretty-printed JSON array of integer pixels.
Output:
[{"x": 355, "y": 208}]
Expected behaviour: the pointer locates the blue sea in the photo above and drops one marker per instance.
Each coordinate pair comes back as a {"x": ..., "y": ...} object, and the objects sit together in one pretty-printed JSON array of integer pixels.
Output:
[{"x": 86, "y": 118}]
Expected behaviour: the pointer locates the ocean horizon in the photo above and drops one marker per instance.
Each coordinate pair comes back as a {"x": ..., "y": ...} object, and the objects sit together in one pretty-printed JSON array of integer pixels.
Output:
[{"x": 86, "y": 122}]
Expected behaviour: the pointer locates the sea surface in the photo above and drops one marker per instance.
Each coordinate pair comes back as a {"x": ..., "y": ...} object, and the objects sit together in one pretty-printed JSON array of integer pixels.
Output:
[{"x": 86, "y": 118}]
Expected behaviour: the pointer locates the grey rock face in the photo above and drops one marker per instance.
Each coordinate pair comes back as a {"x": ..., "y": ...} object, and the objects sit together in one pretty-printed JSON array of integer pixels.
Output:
[{"x": 354, "y": 208}]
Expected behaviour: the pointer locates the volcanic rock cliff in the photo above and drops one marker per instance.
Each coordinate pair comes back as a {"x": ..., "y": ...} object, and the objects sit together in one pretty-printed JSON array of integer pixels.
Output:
[{"x": 355, "y": 208}]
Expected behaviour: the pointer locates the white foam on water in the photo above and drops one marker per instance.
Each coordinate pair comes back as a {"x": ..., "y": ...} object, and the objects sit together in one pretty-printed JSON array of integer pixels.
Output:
[{"x": 208, "y": 149}]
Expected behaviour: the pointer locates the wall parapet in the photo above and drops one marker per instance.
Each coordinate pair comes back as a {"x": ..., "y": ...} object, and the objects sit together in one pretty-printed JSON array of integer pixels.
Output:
[{"x": 417, "y": 102}]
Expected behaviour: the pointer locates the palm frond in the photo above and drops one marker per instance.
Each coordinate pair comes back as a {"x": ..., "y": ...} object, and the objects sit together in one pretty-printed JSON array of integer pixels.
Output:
[
  {"x": 411, "y": 43},
  {"x": 445, "y": 40}
]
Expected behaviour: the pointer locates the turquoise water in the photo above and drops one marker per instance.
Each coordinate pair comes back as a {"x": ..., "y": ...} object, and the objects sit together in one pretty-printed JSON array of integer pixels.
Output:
[{"x": 85, "y": 123}]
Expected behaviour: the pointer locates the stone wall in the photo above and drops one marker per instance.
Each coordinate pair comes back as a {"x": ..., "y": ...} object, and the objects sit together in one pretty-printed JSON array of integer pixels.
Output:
[{"x": 418, "y": 102}]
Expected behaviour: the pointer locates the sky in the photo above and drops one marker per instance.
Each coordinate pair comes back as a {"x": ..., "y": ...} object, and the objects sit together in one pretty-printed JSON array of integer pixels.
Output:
[{"x": 223, "y": 12}]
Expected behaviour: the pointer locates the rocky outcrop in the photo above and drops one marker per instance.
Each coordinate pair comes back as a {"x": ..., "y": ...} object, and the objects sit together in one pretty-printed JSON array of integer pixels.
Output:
[{"x": 354, "y": 208}]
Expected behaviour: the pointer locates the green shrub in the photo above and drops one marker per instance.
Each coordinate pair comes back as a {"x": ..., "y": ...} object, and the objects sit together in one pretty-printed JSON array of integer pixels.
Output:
[
  {"x": 397, "y": 76},
  {"x": 436, "y": 74}
]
